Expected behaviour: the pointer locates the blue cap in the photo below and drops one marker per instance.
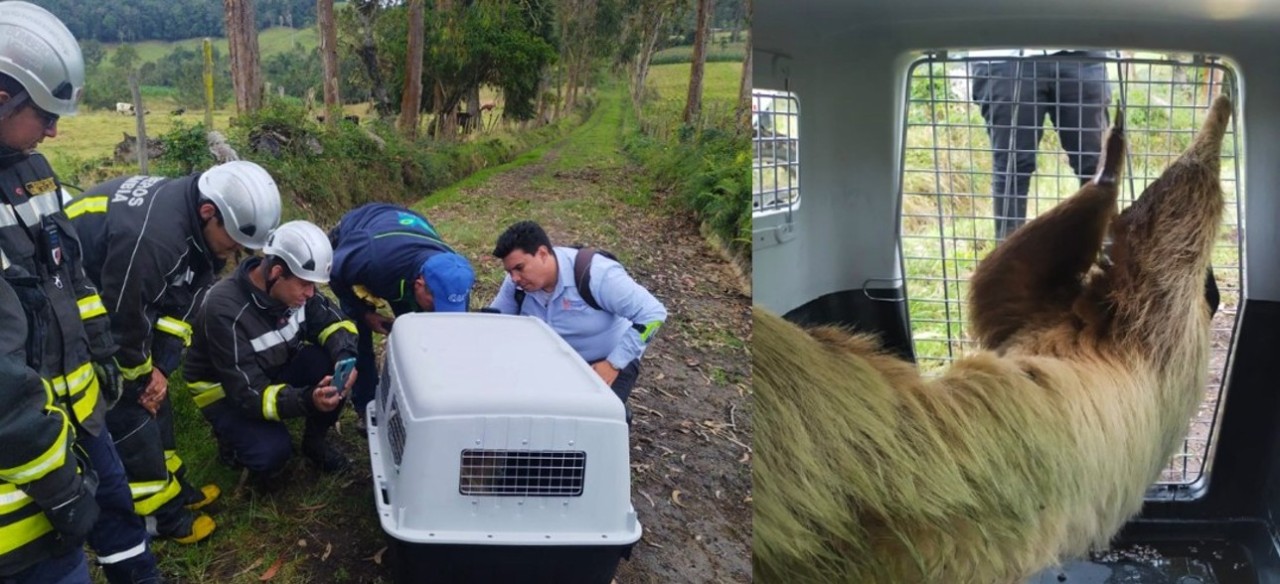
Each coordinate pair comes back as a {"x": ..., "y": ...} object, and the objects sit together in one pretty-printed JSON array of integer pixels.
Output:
[{"x": 449, "y": 276}]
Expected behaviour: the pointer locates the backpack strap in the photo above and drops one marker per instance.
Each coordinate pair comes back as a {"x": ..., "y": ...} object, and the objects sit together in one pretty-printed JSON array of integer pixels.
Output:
[{"x": 582, "y": 275}]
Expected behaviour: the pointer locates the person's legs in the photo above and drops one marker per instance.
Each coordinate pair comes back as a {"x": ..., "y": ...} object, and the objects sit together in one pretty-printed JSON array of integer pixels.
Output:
[
  {"x": 119, "y": 538},
  {"x": 1081, "y": 113},
  {"x": 308, "y": 367},
  {"x": 1006, "y": 94},
  {"x": 624, "y": 383},
  {"x": 262, "y": 446},
  {"x": 155, "y": 492},
  {"x": 191, "y": 497},
  {"x": 70, "y": 567},
  {"x": 366, "y": 384}
]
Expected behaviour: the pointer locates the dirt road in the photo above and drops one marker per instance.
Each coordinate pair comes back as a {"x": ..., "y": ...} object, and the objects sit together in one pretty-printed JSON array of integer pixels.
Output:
[{"x": 690, "y": 457}]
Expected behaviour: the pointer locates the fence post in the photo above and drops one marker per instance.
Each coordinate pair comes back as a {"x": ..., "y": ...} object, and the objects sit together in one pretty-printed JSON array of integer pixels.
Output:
[
  {"x": 208, "y": 85},
  {"x": 139, "y": 114}
]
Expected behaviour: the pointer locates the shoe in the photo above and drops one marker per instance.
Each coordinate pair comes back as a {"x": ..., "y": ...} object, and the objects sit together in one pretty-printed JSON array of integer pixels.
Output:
[
  {"x": 362, "y": 426},
  {"x": 210, "y": 493},
  {"x": 325, "y": 456},
  {"x": 227, "y": 456},
  {"x": 200, "y": 529},
  {"x": 267, "y": 483}
]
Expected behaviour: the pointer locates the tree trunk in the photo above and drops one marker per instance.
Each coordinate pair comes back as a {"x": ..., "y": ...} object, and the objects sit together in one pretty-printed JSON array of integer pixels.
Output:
[
  {"x": 242, "y": 41},
  {"x": 369, "y": 56},
  {"x": 329, "y": 58},
  {"x": 473, "y": 108},
  {"x": 693, "y": 106},
  {"x": 411, "y": 101},
  {"x": 744, "y": 88},
  {"x": 648, "y": 44}
]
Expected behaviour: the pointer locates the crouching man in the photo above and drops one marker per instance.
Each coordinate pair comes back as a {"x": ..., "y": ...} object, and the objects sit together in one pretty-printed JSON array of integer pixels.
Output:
[{"x": 263, "y": 351}]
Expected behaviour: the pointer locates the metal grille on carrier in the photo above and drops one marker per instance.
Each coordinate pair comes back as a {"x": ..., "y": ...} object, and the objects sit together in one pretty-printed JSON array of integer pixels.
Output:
[
  {"x": 950, "y": 217},
  {"x": 395, "y": 425},
  {"x": 775, "y": 166},
  {"x": 522, "y": 473}
]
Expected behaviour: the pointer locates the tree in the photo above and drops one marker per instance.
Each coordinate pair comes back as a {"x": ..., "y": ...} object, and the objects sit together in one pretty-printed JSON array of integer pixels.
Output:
[
  {"x": 329, "y": 58},
  {"x": 93, "y": 52},
  {"x": 242, "y": 39},
  {"x": 744, "y": 88},
  {"x": 649, "y": 23},
  {"x": 693, "y": 106},
  {"x": 367, "y": 12},
  {"x": 412, "y": 100},
  {"x": 125, "y": 58}
]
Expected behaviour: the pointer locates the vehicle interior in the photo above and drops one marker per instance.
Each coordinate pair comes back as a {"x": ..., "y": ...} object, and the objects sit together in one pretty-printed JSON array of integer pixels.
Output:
[{"x": 874, "y": 175}]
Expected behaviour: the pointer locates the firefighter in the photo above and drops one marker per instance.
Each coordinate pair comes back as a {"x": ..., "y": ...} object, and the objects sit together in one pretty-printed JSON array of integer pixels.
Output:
[
  {"x": 152, "y": 246},
  {"x": 389, "y": 256},
  {"x": 263, "y": 351},
  {"x": 70, "y": 345},
  {"x": 48, "y": 497}
]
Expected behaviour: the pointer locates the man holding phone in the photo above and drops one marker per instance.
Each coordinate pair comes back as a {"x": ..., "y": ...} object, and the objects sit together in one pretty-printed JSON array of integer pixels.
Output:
[{"x": 264, "y": 350}]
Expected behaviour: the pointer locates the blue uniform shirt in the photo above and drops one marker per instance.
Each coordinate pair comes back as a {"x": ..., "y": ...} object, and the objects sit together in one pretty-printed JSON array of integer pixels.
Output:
[
  {"x": 381, "y": 247},
  {"x": 595, "y": 334}
]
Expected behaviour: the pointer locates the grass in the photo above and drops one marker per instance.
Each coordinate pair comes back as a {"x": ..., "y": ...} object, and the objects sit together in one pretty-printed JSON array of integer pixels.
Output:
[
  {"x": 92, "y": 135},
  {"x": 271, "y": 41},
  {"x": 719, "y": 83},
  {"x": 716, "y": 53}
]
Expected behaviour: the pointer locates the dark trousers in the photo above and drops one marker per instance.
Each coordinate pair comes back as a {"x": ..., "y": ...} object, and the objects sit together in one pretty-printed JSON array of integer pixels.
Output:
[
  {"x": 1015, "y": 97},
  {"x": 68, "y": 568},
  {"x": 624, "y": 383},
  {"x": 119, "y": 538},
  {"x": 264, "y": 446},
  {"x": 366, "y": 385},
  {"x": 142, "y": 441}
]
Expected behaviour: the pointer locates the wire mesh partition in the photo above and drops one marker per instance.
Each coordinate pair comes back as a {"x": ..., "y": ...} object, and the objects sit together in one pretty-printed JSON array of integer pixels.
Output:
[
  {"x": 977, "y": 163},
  {"x": 775, "y": 164}
]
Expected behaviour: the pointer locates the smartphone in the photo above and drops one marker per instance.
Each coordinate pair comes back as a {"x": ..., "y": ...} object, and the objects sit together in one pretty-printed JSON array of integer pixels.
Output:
[{"x": 341, "y": 371}]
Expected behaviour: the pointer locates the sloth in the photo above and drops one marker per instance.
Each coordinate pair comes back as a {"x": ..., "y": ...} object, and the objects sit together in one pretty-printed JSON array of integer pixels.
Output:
[{"x": 1030, "y": 450}]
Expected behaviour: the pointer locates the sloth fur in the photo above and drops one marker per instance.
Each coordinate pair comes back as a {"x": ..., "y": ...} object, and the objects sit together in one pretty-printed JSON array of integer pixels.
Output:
[{"x": 1031, "y": 450}]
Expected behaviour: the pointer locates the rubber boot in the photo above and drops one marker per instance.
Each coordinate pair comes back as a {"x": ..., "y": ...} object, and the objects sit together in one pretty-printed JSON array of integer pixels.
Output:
[{"x": 322, "y": 454}]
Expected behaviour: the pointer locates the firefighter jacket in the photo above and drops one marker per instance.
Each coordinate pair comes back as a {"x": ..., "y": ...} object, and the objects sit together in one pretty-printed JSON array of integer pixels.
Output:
[
  {"x": 243, "y": 340},
  {"x": 37, "y": 436},
  {"x": 144, "y": 249},
  {"x": 378, "y": 251},
  {"x": 67, "y": 317}
]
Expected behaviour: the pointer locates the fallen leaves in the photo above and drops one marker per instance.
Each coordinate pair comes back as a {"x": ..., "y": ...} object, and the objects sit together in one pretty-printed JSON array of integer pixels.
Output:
[
  {"x": 377, "y": 557},
  {"x": 271, "y": 572},
  {"x": 675, "y": 498}
]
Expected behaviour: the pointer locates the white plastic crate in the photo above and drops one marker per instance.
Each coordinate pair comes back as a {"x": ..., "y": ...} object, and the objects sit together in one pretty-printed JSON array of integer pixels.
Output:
[{"x": 490, "y": 434}]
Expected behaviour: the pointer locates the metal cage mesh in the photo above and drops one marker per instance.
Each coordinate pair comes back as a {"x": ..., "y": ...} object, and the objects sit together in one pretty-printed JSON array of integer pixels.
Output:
[
  {"x": 775, "y": 166},
  {"x": 949, "y": 213},
  {"x": 522, "y": 473}
]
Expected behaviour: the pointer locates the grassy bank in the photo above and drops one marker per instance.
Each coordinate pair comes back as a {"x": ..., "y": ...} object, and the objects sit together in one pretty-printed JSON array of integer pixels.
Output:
[{"x": 708, "y": 166}]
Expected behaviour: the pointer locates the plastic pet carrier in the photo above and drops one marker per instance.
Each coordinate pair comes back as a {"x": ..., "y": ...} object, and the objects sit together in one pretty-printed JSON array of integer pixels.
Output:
[{"x": 498, "y": 455}]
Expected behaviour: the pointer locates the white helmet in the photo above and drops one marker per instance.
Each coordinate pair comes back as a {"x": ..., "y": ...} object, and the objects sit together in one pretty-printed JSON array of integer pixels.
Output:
[
  {"x": 38, "y": 51},
  {"x": 304, "y": 248},
  {"x": 247, "y": 197}
]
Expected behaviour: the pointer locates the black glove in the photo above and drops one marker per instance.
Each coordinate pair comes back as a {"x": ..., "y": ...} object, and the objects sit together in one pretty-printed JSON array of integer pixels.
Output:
[
  {"x": 67, "y": 499},
  {"x": 110, "y": 381}
]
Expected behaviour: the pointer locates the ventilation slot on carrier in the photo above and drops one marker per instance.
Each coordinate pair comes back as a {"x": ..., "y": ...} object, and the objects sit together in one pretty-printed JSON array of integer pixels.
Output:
[
  {"x": 395, "y": 425},
  {"x": 522, "y": 473}
]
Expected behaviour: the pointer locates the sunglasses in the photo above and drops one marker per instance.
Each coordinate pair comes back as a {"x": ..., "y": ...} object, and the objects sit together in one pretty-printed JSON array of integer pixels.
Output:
[{"x": 49, "y": 119}]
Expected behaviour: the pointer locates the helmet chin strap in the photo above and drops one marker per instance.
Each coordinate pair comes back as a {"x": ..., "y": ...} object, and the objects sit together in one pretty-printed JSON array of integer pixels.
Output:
[
  {"x": 267, "y": 264},
  {"x": 9, "y": 155}
]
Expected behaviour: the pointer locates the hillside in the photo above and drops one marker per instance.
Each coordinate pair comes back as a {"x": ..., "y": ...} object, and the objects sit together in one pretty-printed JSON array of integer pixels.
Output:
[{"x": 271, "y": 42}]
